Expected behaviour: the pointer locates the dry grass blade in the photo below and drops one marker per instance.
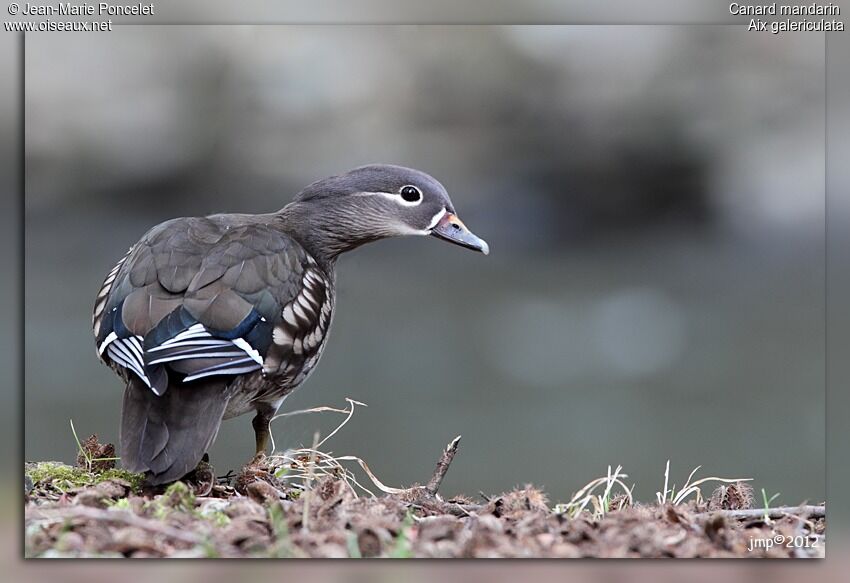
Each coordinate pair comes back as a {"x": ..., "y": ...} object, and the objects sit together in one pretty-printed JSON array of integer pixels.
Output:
[
  {"x": 587, "y": 495},
  {"x": 378, "y": 484},
  {"x": 662, "y": 498},
  {"x": 352, "y": 403},
  {"x": 675, "y": 498},
  {"x": 303, "y": 465},
  {"x": 321, "y": 409},
  {"x": 306, "y": 464}
]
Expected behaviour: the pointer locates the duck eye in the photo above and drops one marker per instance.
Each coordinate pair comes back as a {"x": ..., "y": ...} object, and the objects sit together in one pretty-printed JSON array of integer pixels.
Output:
[{"x": 411, "y": 194}]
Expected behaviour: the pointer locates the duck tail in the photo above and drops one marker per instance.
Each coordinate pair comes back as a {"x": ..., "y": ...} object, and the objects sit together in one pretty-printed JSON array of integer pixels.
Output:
[{"x": 165, "y": 436}]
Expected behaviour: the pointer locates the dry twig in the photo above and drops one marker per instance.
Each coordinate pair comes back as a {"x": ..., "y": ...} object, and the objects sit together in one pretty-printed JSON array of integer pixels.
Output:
[{"x": 442, "y": 466}]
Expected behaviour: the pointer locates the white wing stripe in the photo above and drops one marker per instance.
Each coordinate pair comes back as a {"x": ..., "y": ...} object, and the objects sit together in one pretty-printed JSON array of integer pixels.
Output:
[
  {"x": 119, "y": 352},
  {"x": 207, "y": 342},
  {"x": 112, "y": 336},
  {"x": 235, "y": 367},
  {"x": 249, "y": 350},
  {"x": 191, "y": 356},
  {"x": 192, "y": 332},
  {"x": 136, "y": 347},
  {"x": 125, "y": 354}
]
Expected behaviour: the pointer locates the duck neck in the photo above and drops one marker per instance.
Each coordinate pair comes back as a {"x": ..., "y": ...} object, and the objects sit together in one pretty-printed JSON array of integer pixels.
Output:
[{"x": 325, "y": 231}]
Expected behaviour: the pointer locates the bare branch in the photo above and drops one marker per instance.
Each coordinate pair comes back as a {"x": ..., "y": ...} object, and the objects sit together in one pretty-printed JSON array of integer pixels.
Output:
[{"x": 442, "y": 466}]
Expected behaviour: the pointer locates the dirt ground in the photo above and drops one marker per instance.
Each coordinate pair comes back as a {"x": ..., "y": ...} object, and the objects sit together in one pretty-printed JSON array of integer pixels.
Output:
[{"x": 94, "y": 510}]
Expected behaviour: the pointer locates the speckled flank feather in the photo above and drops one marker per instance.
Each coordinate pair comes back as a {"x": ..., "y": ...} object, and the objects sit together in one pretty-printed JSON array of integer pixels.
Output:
[{"x": 103, "y": 294}]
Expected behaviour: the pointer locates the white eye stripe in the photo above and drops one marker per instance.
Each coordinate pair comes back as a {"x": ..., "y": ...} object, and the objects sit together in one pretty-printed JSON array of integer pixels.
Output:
[{"x": 395, "y": 197}]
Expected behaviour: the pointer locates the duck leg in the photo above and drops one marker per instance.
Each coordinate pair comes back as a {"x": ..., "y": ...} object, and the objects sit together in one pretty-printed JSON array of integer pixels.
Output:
[{"x": 262, "y": 430}]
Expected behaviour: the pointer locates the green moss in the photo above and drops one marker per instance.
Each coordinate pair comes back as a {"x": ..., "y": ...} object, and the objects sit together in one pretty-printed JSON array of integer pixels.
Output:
[
  {"x": 177, "y": 497},
  {"x": 209, "y": 551},
  {"x": 180, "y": 497},
  {"x": 352, "y": 545},
  {"x": 402, "y": 544},
  {"x": 218, "y": 518},
  {"x": 122, "y": 504},
  {"x": 136, "y": 480},
  {"x": 45, "y": 473},
  {"x": 214, "y": 512},
  {"x": 65, "y": 477}
]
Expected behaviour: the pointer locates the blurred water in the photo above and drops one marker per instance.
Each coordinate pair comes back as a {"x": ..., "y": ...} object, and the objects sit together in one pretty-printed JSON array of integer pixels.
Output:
[{"x": 656, "y": 286}]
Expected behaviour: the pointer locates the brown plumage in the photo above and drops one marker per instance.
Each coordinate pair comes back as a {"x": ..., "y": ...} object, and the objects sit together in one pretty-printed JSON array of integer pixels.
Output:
[{"x": 207, "y": 318}]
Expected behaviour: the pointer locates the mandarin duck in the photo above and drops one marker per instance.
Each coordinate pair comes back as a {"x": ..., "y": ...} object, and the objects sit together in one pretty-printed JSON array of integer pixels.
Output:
[{"x": 209, "y": 318}]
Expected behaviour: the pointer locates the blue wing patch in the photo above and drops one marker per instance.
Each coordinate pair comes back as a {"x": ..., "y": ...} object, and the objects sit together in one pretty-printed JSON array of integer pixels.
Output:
[{"x": 181, "y": 345}]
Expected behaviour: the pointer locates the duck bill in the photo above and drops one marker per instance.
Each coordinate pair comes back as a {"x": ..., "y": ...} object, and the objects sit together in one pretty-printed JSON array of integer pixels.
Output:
[{"x": 451, "y": 229}]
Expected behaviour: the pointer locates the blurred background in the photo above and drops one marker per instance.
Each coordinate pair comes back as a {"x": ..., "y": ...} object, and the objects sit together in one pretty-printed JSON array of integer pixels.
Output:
[{"x": 653, "y": 197}]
